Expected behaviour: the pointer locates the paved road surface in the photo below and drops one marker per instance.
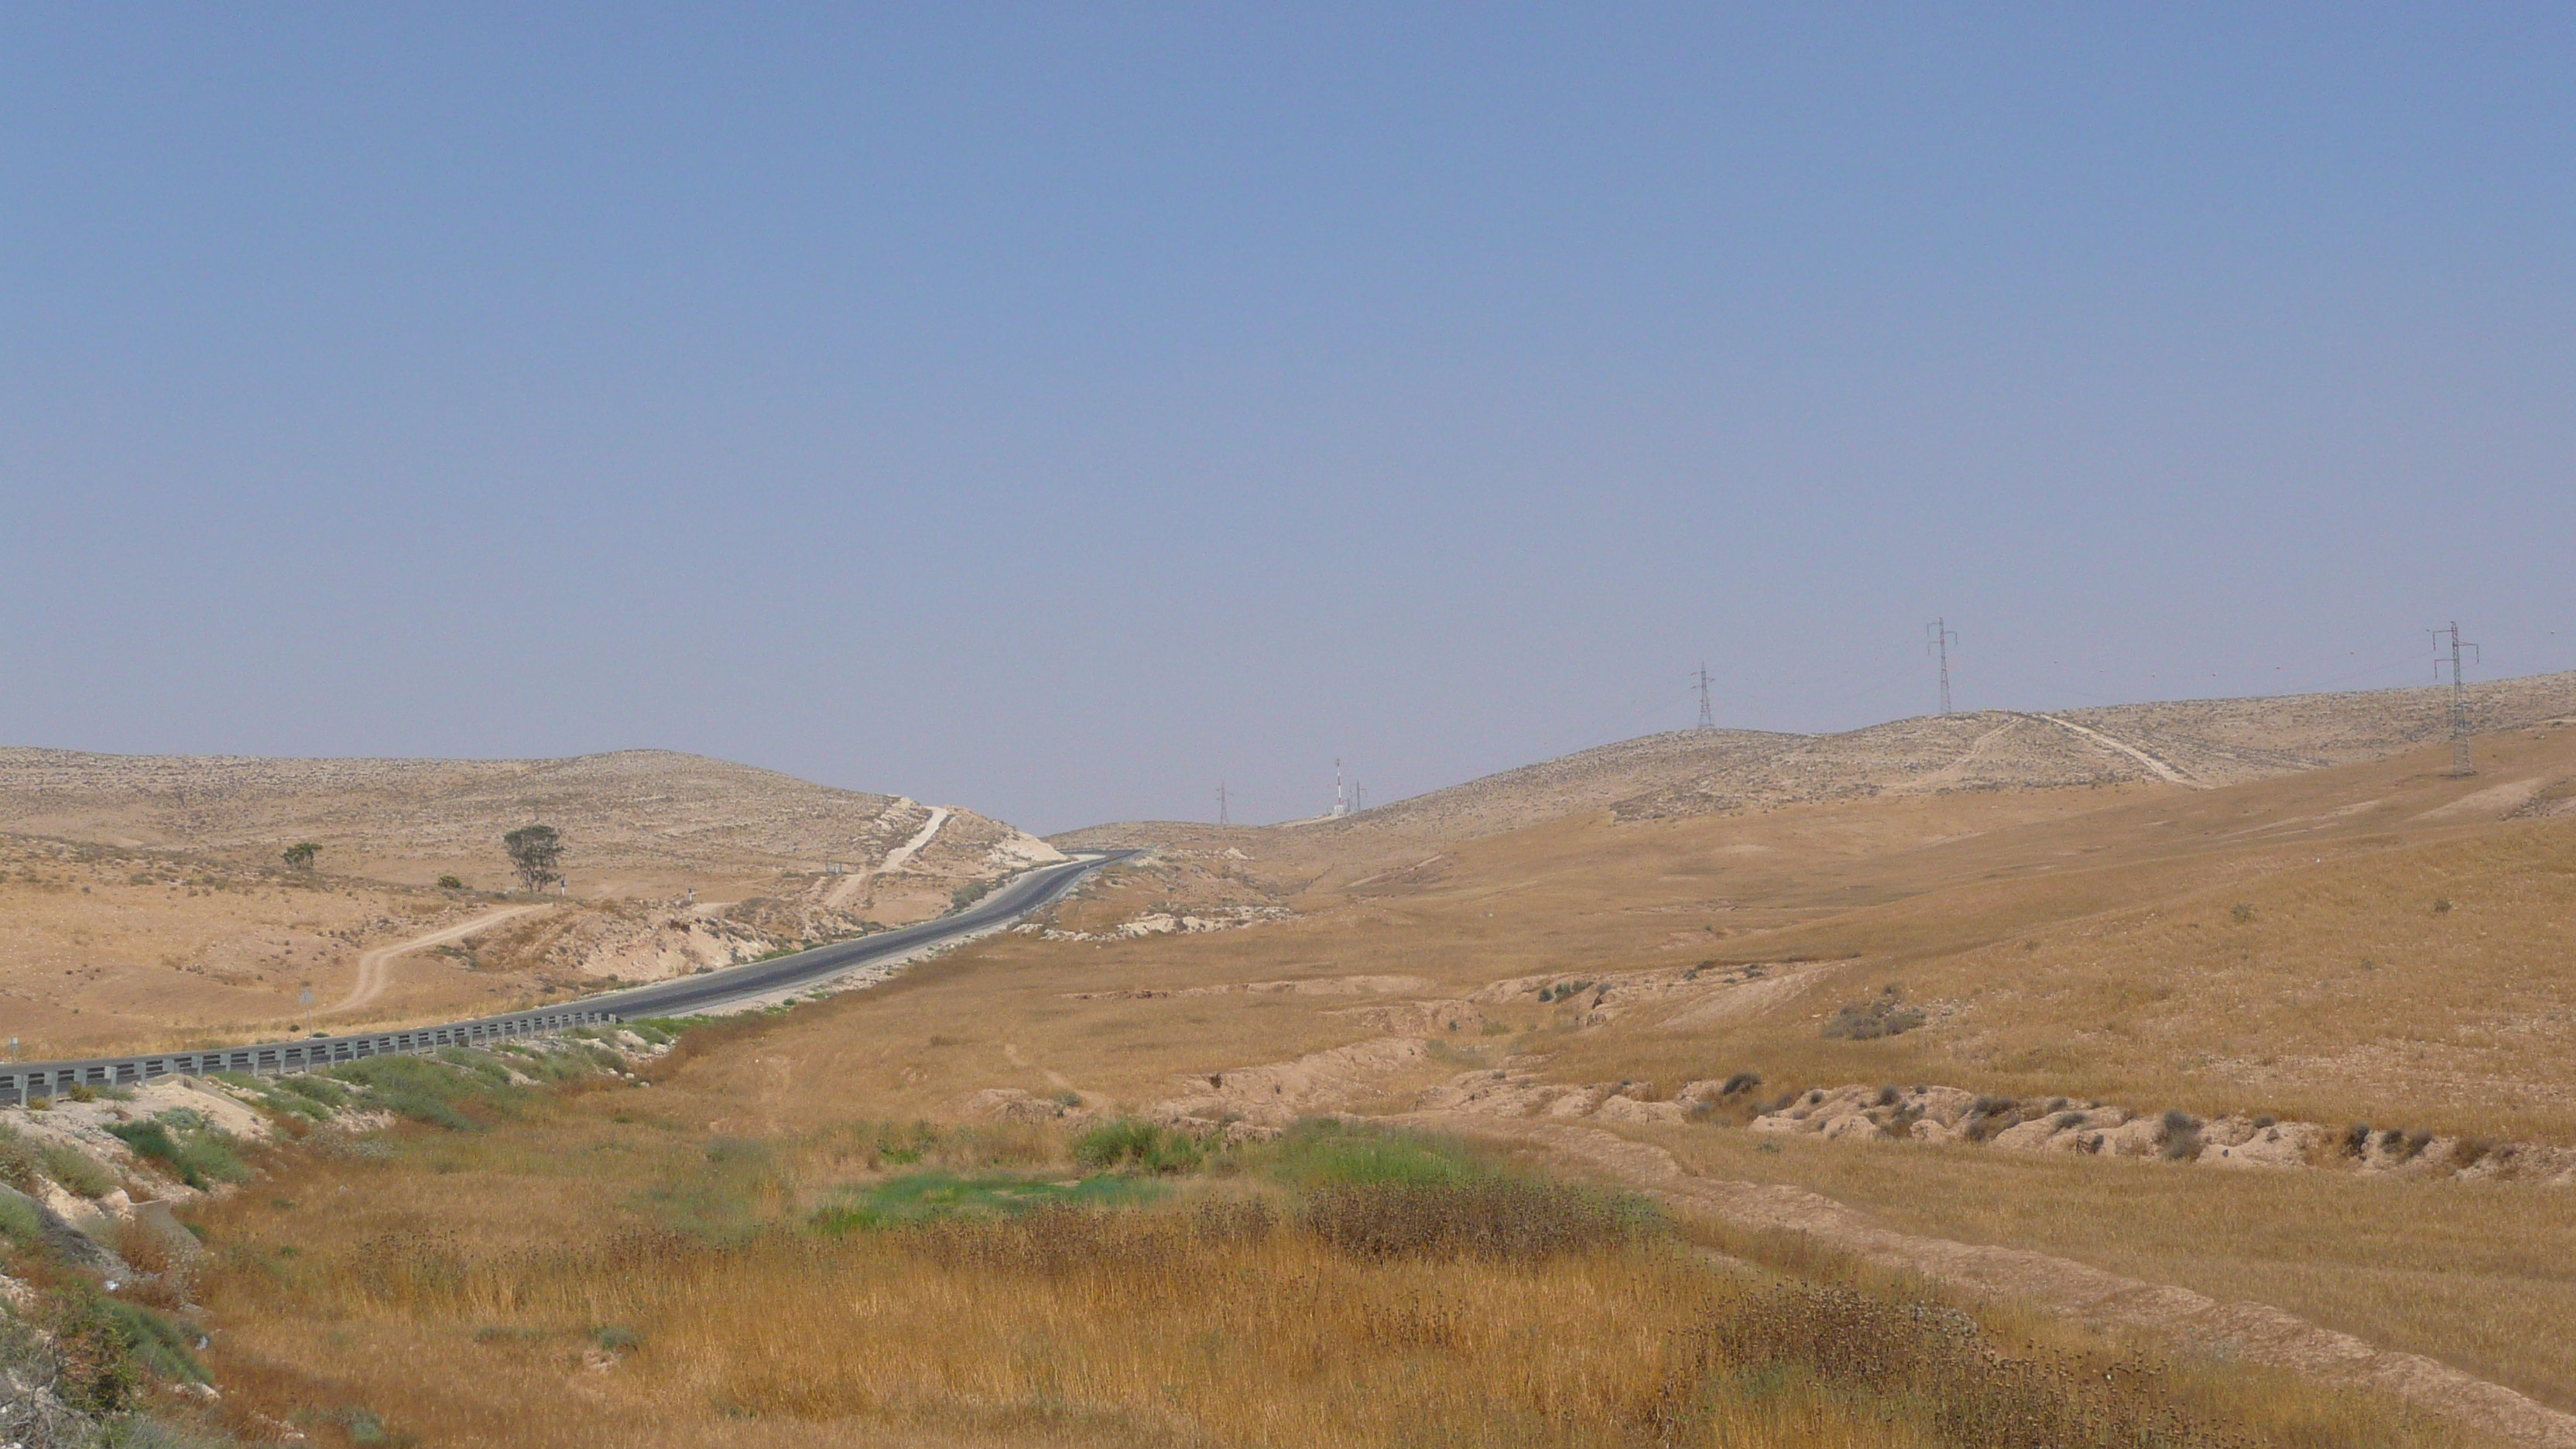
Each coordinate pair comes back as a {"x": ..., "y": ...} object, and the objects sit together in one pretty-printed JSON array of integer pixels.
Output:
[
  {"x": 708, "y": 991},
  {"x": 731, "y": 985}
]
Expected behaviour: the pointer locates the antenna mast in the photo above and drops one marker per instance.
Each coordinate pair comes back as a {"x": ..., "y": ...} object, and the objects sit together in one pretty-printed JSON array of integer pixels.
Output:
[
  {"x": 1707, "y": 717},
  {"x": 1341, "y": 802},
  {"x": 1220, "y": 804},
  {"x": 1942, "y": 637},
  {"x": 2461, "y": 765}
]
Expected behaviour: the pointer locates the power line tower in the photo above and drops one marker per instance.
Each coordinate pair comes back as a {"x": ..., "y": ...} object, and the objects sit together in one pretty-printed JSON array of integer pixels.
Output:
[
  {"x": 1220, "y": 804},
  {"x": 1707, "y": 716},
  {"x": 1942, "y": 636},
  {"x": 2461, "y": 766}
]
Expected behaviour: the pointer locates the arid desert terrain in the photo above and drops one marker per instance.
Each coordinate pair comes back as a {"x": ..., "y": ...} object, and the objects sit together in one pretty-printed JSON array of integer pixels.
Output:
[{"x": 2209, "y": 1068}]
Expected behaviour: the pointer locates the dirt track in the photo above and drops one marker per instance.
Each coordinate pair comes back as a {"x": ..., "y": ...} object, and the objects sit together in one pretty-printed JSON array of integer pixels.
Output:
[
  {"x": 375, "y": 969},
  {"x": 2256, "y": 1331}
]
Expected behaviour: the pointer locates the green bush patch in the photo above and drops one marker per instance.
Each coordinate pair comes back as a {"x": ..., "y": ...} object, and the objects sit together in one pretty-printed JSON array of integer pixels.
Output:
[
  {"x": 1129, "y": 1145},
  {"x": 924, "y": 1197},
  {"x": 190, "y": 1146},
  {"x": 1323, "y": 1151}
]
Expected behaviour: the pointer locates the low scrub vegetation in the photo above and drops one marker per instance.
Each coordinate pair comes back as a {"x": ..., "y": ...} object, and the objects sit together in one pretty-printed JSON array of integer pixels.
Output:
[
  {"x": 1336, "y": 1287},
  {"x": 185, "y": 1143},
  {"x": 1883, "y": 1015}
]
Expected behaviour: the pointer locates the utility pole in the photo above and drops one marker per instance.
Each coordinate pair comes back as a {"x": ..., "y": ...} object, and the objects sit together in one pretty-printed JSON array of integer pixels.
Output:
[
  {"x": 2461, "y": 766},
  {"x": 1220, "y": 804},
  {"x": 1942, "y": 637},
  {"x": 1707, "y": 717}
]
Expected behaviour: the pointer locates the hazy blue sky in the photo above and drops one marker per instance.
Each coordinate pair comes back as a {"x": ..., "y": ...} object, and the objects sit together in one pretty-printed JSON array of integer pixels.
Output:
[{"x": 1055, "y": 410}]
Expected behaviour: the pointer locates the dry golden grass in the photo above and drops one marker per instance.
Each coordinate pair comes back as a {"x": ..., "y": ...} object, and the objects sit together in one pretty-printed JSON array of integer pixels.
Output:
[
  {"x": 2481, "y": 1276},
  {"x": 579, "y": 1279}
]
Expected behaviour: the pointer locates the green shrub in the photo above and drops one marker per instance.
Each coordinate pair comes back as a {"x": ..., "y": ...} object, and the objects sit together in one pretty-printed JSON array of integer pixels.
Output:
[
  {"x": 200, "y": 1154},
  {"x": 20, "y": 1163},
  {"x": 1130, "y": 1145},
  {"x": 427, "y": 1091},
  {"x": 1317, "y": 1153},
  {"x": 2179, "y": 1135},
  {"x": 924, "y": 1197},
  {"x": 19, "y": 1221},
  {"x": 77, "y": 1171},
  {"x": 108, "y": 1352},
  {"x": 481, "y": 1063},
  {"x": 1881, "y": 1016},
  {"x": 320, "y": 1090}
]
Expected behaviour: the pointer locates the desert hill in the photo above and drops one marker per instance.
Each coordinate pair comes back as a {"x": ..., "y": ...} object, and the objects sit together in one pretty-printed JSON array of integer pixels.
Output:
[
  {"x": 2182, "y": 744},
  {"x": 143, "y": 899},
  {"x": 654, "y": 814}
]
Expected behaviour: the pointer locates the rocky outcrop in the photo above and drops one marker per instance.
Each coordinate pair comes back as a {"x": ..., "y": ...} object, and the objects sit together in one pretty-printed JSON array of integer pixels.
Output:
[{"x": 1936, "y": 1115}]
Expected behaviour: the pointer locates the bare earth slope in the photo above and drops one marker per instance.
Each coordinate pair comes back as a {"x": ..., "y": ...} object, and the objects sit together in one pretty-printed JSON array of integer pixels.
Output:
[
  {"x": 2192, "y": 743},
  {"x": 650, "y": 811},
  {"x": 143, "y": 900}
]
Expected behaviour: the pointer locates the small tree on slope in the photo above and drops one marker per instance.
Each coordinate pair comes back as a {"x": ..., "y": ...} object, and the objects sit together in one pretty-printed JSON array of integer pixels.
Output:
[{"x": 535, "y": 852}]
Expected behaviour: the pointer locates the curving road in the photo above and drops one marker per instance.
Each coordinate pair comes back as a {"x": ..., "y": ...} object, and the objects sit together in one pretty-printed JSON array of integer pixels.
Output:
[
  {"x": 708, "y": 991},
  {"x": 732, "y": 985}
]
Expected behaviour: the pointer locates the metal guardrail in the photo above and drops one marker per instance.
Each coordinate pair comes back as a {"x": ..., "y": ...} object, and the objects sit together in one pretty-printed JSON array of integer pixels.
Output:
[{"x": 20, "y": 1081}]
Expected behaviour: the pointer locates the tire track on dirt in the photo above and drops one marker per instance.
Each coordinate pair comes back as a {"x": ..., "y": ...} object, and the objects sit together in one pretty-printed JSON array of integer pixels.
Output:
[
  {"x": 375, "y": 968},
  {"x": 2259, "y": 1332}
]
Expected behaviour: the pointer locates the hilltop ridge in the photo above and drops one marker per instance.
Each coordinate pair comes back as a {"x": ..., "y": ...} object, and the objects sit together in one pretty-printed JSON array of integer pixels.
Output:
[
  {"x": 650, "y": 812},
  {"x": 2176, "y": 744}
]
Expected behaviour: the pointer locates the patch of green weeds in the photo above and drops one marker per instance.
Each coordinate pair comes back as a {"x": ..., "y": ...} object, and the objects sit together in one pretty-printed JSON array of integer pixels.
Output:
[
  {"x": 20, "y": 1161},
  {"x": 1324, "y": 1150},
  {"x": 1130, "y": 1145},
  {"x": 78, "y": 1172},
  {"x": 108, "y": 1354},
  {"x": 428, "y": 1091},
  {"x": 922, "y": 1197},
  {"x": 321, "y": 1091},
  {"x": 481, "y": 1063},
  {"x": 188, "y": 1144},
  {"x": 19, "y": 1222}
]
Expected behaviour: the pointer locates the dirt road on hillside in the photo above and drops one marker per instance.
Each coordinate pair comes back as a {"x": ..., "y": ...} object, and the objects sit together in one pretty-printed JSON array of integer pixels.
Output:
[
  {"x": 851, "y": 885},
  {"x": 2162, "y": 770},
  {"x": 2256, "y": 1331},
  {"x": 375, "y": 969}
]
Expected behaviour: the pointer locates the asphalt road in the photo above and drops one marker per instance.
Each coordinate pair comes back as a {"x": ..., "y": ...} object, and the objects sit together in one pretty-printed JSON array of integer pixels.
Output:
[
  {"x": 728, "y": 985},
  {"x": 708, "y": 991}
]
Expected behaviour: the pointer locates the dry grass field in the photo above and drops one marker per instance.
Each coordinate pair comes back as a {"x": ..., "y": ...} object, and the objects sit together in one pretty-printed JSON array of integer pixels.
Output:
[{"x": 602, "y": 1270}]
